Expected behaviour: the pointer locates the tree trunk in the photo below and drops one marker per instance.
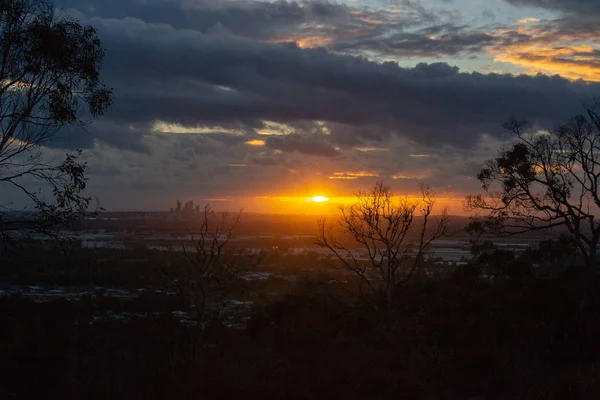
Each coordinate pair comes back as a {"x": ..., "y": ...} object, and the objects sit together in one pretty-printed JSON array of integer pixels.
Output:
[
  {"x": 389, "y": 294},
  {"x": 590, "y": 278},
  {"x": 420, "y": 275},
  {"x": 591, "y": 262}
]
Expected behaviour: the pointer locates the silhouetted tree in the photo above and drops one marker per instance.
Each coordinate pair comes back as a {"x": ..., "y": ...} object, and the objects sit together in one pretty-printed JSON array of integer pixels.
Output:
[
  {"x": 545, "y": 180},
  {"x": 554, "y": 256},
  {"x": 496, "y": 262},
  {"x": 49, "y": 81},
  {"x": 468, "y": 272},
  {"x": 380, "y": 224},
  {"x": 205, "y": 272}
]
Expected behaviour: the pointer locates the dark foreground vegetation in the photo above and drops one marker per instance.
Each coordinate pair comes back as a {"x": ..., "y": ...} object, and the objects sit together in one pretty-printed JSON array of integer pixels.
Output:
[{"x": 453, "y": 338}]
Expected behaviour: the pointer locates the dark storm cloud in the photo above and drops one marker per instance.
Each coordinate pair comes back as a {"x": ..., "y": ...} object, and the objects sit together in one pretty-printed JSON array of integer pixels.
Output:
[
  {"x": 185, "y": 77},
  {"x": 348, "y": 136},
  {"x": 106, "y": 130},
  {"x": 310, "y": 23},
  {"x": 104, "y": 170},
  {"x": 314, "y": 145},
  {"x": 270, "y": 161},
  {"x": 583, "y": 7},
  {"x": 255, "y": 19}
]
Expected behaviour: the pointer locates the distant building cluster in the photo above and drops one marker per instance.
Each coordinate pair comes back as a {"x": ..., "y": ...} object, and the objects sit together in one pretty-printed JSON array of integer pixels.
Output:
[{"x": 188, "y": 209}]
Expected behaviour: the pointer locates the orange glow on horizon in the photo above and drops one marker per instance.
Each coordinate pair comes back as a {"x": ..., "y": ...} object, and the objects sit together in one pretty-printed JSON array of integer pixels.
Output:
[{"x": 309, "y": 206}]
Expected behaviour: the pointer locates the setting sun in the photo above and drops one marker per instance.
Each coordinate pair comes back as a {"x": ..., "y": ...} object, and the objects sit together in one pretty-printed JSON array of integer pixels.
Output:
[{"x": 319, "y": 199}]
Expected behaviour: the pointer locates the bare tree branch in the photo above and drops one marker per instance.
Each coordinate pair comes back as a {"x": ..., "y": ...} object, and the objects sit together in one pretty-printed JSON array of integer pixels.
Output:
[{"x": 205, "y": 273}]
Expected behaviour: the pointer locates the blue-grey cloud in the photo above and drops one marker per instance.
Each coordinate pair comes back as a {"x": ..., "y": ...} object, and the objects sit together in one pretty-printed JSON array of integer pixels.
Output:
[
  {"x": 178, "y": 76},
  {"x": 583, "y": 7},
  {"x": 314, "y": 145}
]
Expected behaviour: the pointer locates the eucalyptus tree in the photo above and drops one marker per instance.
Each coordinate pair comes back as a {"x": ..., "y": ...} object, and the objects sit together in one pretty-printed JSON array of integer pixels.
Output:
[
  {"x": 546, "y": 179},
  {"x": 49, "y": 82}
]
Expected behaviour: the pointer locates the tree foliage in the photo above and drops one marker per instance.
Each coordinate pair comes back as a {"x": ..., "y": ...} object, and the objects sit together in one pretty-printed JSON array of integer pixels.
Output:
[
  {"x": 545, "y": 180},
  {"x": 49, "y": 81}
]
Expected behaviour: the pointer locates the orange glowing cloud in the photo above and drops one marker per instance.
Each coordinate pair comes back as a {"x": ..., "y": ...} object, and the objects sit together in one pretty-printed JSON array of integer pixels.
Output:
[
  {"x": 369, "y": 149},
  {"x": 274, "y": 129},
  {"x": 573, "y": 62},
  {"x": 371, "y": 21},
  {"x": 255, "y": 142},
  {"x": 549, "y": 50},
  {"x": 352, "y": 175},
  {"x": 175, "y": 128},
  {"x": 305, "y": 42},
  {"x": 400, "y": 176}
]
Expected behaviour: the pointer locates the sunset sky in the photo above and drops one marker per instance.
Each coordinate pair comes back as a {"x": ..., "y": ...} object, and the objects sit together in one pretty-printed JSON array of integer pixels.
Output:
[{"x": 265, "y": 104}]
